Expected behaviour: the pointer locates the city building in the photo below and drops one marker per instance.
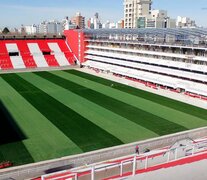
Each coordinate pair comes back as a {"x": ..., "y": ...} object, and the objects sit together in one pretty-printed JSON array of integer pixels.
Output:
[
  {"x": 94, "y": 22},
  {"x": 50, "y": 27},
  {"x": 120, "y": 24},
  {"x": 97, "y": 22},
  {"x": 139, "y": 14},
  {"x": 31, "y": 29},
  {"x": 42, "y": 28},
  {"x": 108, "y": 25},
  {"x": 66, "y": 24},
  {"x": 113, "y": 25},
  {"x": 22, "y": 30},
  {"x": 185, "y": 22},
  {"x": 158, "y": 19},
  {"x": 171, "y": 23},
  {"x": 78, "y": 20},
  {"x": 89, "y": 24},
  {"x": 133, "y": 10}
]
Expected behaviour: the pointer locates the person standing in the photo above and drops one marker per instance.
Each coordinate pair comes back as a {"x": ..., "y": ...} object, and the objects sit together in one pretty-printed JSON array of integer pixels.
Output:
[{"x": 137, "y": 149}]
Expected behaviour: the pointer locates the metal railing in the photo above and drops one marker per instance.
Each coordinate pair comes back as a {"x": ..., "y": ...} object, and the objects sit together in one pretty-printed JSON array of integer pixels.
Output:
[{"x": 136, "y": 163}]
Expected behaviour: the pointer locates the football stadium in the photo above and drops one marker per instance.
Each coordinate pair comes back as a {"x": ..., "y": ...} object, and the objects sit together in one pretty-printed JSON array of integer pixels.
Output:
[{"x": 51, "y": 108}]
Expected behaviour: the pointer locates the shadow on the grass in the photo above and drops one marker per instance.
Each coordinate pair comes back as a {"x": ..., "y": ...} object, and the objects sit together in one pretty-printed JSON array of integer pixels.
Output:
[{"x": 9, "y": 130}]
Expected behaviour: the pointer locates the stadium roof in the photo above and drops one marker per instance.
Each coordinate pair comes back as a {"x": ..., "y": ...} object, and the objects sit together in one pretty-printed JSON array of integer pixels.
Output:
[
  {"x": 182, "y": 36},
  {"x": 197, "y": 32}
]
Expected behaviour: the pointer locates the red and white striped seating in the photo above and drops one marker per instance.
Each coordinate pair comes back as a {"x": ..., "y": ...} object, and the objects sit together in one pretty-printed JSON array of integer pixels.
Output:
[{"x": 36, "y": 53}]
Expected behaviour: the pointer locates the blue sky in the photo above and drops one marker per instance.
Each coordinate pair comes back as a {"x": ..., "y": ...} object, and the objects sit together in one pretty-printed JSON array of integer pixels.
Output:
[{"x": 17, "y": 12}]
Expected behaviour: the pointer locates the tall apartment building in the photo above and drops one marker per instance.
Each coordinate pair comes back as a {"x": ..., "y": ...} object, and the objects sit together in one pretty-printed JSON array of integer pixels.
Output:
[
  {"x": 78, "y": 20},
  {"x": 133, "y": 10}
]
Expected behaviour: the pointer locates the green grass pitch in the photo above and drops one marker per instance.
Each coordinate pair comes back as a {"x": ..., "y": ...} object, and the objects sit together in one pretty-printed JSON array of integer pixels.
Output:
[{"x": 46, "y": 115}]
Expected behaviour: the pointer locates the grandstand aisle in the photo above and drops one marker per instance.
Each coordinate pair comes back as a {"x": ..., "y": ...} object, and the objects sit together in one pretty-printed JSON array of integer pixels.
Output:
[
  {"x": 58, "y": 54},
  {"x": 39, "y": 58},
  {"x": 16, "y": 60}
]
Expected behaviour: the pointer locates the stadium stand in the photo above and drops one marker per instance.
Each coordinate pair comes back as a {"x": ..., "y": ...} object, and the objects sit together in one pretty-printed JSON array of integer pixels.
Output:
[
  {"x": 153, "y": 61},
  {"x": 166, "y": 58},
  {"x": 164, "y": 70},
  {"x": 5, "y": 61},
  {"x": 34, "y": 53},
  {"x": 172, "y": 82}
]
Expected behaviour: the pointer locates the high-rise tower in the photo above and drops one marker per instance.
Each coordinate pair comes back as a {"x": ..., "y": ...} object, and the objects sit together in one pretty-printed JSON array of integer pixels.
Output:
[{"x": 134, "y": 9}]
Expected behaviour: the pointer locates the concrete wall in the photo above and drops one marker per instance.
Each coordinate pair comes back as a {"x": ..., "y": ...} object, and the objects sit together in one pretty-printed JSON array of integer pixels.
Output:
[
  {"x": 37, "y": 169},
  {"x": 76, "y": 42}
]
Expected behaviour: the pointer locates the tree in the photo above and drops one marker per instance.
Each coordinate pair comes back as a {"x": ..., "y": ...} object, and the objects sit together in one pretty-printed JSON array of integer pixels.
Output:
[{"x": 5, "y": 31}]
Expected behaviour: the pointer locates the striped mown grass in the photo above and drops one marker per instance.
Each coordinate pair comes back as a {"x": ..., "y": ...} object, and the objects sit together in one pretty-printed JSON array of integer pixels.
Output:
[
  {"x": 98, "y": 115},
  {"x": 85, "y": 134},
  {"x": 179, "y": 117},
  {"x": 150, "y": 121},
  {"x": 187, "y": 108},
  {"x": 44, "y": 140},
  {"x": 59, "y": 113}
]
